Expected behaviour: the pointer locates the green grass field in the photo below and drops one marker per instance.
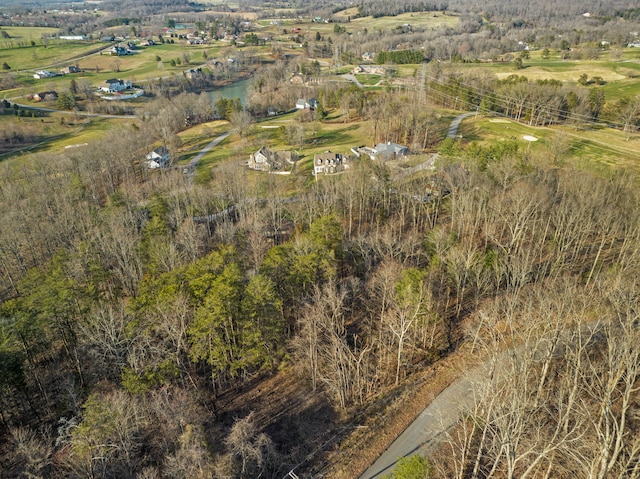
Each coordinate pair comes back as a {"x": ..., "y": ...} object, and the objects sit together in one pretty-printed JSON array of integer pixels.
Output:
[
  {"x": 57, "y": 132},
  {"x": 22, "y": 34},
  {"x": 368, "y": 80},
  {"x": 53, "y": 57},
  {"x": 417, "y": 20},
  {"x": 599, "y": 149}
]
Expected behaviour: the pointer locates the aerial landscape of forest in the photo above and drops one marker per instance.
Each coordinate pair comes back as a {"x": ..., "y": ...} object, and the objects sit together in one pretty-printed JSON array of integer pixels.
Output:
[{"x": 319, "y": 239}]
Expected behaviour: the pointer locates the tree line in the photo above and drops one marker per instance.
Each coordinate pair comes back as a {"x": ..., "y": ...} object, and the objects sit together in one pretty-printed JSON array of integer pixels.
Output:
[{"x": 538, "y": 103}]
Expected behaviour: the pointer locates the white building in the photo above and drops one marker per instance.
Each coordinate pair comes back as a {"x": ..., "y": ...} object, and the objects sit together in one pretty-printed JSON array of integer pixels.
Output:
[
  {"x": 43, "y": 74},
  {"x": 114, "y": 85},
  {"x": 158, "y": 158}
]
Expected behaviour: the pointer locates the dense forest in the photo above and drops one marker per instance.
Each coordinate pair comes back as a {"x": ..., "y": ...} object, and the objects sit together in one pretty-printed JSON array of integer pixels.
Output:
[
  {"x": 157, "y": 325},
  {"x": 126, "y": 320}
]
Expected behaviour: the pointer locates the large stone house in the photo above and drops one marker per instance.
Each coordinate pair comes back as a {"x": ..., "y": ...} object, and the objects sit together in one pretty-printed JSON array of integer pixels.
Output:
[
  {"x": 328, "y": 163},
  {"x": 268, "y": 160}
]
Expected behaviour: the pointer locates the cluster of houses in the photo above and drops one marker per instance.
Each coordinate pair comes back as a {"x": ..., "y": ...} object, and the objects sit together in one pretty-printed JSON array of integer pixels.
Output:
[
  {"x": 145, "y": 42},
  {"x": 272, "y": 161},
  {"x": 42, "y": 74},
  {"x": 327, "y": 163},
  {"x": 282, "y": 162},
  {"x": 112, "y": 85},
  {"x": 123, "y": 49},
  {"x": 197, "y": 41}
]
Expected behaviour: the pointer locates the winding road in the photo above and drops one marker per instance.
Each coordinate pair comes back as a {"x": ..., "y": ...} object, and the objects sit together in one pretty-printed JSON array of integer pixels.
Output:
[
  {"x": 215, "y": 142},
  {"x": 429, "y": 428},
  {"x": 441, "y": 414}
]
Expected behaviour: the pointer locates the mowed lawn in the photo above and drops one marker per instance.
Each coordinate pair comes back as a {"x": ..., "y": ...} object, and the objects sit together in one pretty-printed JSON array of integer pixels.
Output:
[
  {"x": 26, "y": 34},
  {"x": 564, "y": 71},
  {"x": 319, "y": 137},
  {"x": 59, "y": 132},
  {"x": 53, "y": 57},
  {"x": 417, "y": 20},
  {"x": 600, "y": 148}
]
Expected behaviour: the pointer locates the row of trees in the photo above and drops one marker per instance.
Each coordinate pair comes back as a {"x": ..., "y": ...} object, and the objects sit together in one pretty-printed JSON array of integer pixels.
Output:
[
  {"x": 563, "y": 402},
  {"x": 399, "y": 57},
  {"x": 543, "y": 102}
]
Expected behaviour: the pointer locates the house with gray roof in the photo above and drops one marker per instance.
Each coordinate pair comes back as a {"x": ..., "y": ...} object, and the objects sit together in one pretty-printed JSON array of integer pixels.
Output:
[{"x": 328, "y": 163}]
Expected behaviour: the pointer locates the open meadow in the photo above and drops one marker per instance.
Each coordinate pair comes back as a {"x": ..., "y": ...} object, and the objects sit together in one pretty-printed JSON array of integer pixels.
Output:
[
  {"x": 355, "y": 26},
  {"x": 598, "y": 149}
]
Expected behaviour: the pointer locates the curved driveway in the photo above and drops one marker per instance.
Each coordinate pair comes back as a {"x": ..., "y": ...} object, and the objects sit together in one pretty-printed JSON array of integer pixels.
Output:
[
  {"x": 196, "y": 159},
  {"x": 352, "y": 78},
  {"x": 455, "y": 124}
]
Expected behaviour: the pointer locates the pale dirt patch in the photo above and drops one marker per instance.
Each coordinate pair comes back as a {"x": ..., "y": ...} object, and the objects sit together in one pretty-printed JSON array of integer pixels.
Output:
[
  {"x": 529, "y": 138},
  {"x": 498, "y": 120}
]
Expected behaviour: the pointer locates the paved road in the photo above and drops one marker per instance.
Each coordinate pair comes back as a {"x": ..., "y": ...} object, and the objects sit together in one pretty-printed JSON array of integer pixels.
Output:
[
  {"x": 190, "y": 169},
  {"x": 196, "y": 159},
  {"x": 437, "y": 418},
  {"x": 455, "y": 124},
  {"x": 430, "y": 428},
  {"x": 353, "y": 79},
  {"x": 427, "y": 429}
]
